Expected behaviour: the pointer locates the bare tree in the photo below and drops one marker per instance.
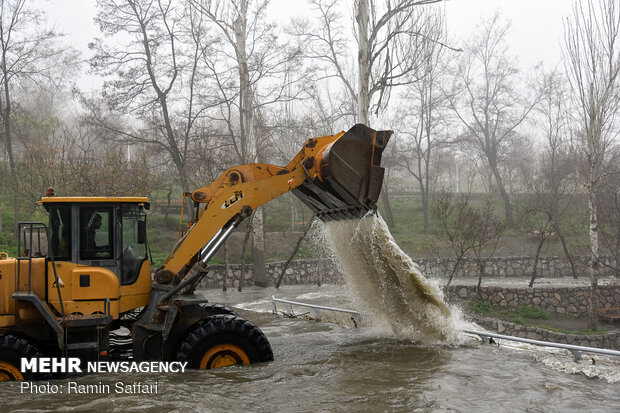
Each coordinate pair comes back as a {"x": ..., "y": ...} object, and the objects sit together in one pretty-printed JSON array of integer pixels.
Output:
[
  {"x": 290, "y": 258},
  {"x": 388, "y": 35},
  {"x": 232, "y": 20},
  {"x": 553, "y": 183},
  {"x": 591, "y": 43},
  {"x": 608, "y": 199},
  {"x": 254, "y": 72},
  {"x": 389, "y": 158},
  {"x": 29, "y": 53},
  {"x": 532, "y": 216},
  {"x": 391, "y": 41},
  {"x": 149, "y": 56},
  {"x": 77, "y": 159},
  {"x": 421, "y": 119},
  {"x": 486, "y": 100},
  {"x": 455, "y": 225},
  {"x": 487, "y": 231}
]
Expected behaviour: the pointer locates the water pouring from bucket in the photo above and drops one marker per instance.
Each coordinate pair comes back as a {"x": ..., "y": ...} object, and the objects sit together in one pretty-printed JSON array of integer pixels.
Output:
[
  {"x": 388, "y": 286},
  {"x": 387, "y": 283}
]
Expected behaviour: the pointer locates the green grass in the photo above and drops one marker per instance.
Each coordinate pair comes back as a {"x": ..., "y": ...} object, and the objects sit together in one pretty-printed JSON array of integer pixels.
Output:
[
  {"x": 524, "y": 315},
  {"x": 408, "y": 230},
  {"x": 518, "y": 314},
  {"x": 158, "y": 258},
  {"x": 534, "y": 313},
  {"x": 585, "y": 331},
  {"x": 482, "y": 307},
  {"x": 216, "y": 261}
]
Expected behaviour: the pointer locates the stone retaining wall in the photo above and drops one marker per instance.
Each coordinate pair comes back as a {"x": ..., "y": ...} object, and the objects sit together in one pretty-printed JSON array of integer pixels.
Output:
[
  {"x": 572, "y": 301},
  {"x": 513, "y": 266},
  {"x": 609, "y": 341},
  {"x": 309, "y": 271}
]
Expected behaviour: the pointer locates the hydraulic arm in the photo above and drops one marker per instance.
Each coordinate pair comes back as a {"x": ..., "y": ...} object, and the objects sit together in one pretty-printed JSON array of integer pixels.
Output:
[{"x": 337, "y": 176}]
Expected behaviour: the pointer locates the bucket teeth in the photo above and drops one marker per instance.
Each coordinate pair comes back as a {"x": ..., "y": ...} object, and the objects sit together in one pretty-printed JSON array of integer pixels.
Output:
[{"x": 351, "y": 176}]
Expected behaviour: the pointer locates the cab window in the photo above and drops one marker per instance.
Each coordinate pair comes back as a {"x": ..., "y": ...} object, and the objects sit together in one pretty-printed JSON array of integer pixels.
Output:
[
  {"x": 134, "y": 252},
  {"x": 96, "y": 233},
  {"x": 60, "y": 232}
]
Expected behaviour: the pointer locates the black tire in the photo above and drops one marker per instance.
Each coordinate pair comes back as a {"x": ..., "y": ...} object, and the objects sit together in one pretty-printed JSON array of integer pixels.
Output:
[
  {"x": 223, "y": 340},
  {"x": 12, "y": 349},
  {"x": 213, "y": 309}
]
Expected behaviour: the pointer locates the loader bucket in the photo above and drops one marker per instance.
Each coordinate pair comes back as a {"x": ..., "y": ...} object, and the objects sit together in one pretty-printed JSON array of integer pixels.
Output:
[{"x": 351, "y": 175}]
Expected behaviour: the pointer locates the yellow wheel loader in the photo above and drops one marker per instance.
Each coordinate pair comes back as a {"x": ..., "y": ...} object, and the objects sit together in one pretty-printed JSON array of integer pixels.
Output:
[{"x": 82, "y": 285}]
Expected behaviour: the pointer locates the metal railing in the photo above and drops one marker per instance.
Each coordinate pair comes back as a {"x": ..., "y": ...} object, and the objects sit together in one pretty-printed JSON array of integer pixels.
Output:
[
  {"x": 484, "y": 336},
  {"x": 575, "y": 350},
  {"x": 288, "y": 305},
  {"x": 27, "y": 254}
]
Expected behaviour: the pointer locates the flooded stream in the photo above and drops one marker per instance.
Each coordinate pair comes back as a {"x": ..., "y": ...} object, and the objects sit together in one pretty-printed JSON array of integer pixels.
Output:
[
  {"x": 325, "y": 367},
  {"x": 410, "y": 355}
]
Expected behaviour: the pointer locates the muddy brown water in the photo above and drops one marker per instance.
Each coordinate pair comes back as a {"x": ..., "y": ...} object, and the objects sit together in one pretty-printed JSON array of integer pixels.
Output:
[{"x": 323, "y": 367}]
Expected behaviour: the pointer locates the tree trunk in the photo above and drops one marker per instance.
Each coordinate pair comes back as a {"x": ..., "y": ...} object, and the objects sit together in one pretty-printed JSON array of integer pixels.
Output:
[
  {"x": 616, "y": 253},
  {"x": 541, "y": 241},
  {"x": 363, "y": 61},
  {"x": 567, "y": 253},
  {"x": 168, "y": 195},
  {"x": 504, "y": 195},
  {"x": 591, "y": 186},
  {"x": 290, "y": 258},
  {"x": 457, "y": 264},
  {"x": 246, "y": 98},
  {"x": 594, "y": 263},
  {"x": 389, "y": 216},
  {"x": 258, "y": 249},
  {"x": 245, "y": 243},
  {"x": 293, "y": 214},
  {"x": 6, "y": 115},
  {"x": 481, "y": 265},
  {"x": 177, "y": 156},
  {"x": 424, "y": 194},
  {"x": 249, "y": 145},
  {"x": 226, "y": 266},
  {"x": 427, "y": 163}
]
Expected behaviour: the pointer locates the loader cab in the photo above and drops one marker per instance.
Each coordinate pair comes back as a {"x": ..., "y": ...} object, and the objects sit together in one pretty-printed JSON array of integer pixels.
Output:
[{"x": 104, "y": 232}]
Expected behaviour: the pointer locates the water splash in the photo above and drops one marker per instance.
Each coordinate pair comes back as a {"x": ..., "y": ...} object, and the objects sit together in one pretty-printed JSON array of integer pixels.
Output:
[
  {"x": 604, "y": 368},
  {"x": 388, "y": 287}
]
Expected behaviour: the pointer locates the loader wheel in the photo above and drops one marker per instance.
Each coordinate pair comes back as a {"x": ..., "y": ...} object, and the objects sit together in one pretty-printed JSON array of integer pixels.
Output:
[
  {"x": 12, "y": 349},
  {"x": 213, "y": 309},
  {"x": 223, "y": 340}
]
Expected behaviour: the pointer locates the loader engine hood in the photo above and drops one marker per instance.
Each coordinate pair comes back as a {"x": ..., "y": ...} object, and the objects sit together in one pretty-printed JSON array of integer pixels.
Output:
[{"x": 350, "y": 177}]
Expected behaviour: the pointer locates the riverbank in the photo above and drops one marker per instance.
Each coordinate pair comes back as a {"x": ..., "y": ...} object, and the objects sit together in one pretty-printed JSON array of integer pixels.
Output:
[{"x": 554, "y": 309}]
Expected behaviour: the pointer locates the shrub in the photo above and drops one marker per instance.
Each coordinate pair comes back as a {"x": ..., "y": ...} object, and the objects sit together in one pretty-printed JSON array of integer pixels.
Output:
[{"x": 482, "y": 307}]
